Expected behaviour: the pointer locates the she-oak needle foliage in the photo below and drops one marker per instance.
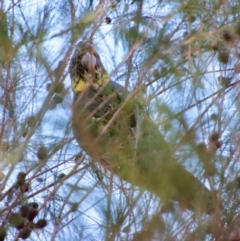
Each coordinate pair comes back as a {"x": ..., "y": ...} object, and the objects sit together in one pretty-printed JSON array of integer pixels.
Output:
[{"x": 157, "y": 158}]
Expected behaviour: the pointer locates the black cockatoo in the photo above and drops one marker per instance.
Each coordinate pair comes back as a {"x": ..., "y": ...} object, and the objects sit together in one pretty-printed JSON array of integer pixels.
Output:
[{"x": 110, "y": 124}]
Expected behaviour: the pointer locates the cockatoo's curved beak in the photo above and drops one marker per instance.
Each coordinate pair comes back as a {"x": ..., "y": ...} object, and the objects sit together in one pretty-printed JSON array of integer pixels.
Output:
[{"x": 89, "y": 61}]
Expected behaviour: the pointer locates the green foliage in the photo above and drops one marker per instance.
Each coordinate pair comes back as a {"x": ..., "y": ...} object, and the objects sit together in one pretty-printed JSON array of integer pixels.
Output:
[{"x": 171, "y": 55}]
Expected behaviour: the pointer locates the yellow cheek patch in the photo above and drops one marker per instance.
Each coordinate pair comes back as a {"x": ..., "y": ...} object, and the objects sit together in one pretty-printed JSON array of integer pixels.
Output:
[
  {"x": 78, "y": 85},
  {"x": 99, "y": 82},
  {"x": 103, "y": 80}
]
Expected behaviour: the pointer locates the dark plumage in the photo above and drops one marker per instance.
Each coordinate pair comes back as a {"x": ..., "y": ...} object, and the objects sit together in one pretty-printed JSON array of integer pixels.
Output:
[{"x": 104, "y": 124}]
